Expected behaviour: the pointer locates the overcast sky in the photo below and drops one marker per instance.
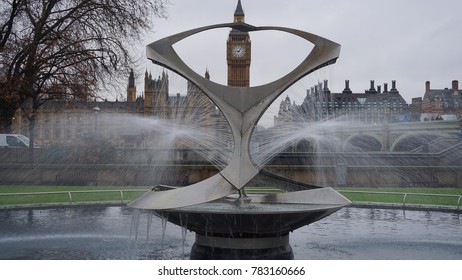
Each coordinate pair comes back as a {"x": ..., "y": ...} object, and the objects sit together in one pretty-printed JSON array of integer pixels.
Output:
[{"x": 410, "y": 41}]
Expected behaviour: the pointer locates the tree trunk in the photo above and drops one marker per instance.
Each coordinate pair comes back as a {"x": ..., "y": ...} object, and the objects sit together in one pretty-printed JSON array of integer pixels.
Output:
[{"x": 7, "y": 111}]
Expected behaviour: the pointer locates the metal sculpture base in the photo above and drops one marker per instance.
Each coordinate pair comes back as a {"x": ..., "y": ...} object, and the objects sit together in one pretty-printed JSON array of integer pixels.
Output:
[
  {"x": 254, "y": 227},
  {"x": 227, "y": 248}
]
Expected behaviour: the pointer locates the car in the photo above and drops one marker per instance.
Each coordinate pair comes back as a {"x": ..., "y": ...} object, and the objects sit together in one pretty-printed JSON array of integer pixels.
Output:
[{"x": 13, "y": 141}]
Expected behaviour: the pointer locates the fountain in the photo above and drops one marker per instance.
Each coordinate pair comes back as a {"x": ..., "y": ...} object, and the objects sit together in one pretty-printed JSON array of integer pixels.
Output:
[{"x": 229, "y": 223}]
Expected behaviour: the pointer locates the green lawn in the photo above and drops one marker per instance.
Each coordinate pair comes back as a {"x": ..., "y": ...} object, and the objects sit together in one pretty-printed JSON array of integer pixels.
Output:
[
  {"x": 112, "y": 193},
  {"x": 70, "y": 193},
  {"x": 397, "y": 195}
]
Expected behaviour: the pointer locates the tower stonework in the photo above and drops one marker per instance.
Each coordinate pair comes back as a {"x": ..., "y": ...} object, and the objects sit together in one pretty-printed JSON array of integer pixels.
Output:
[
  {"x": 238, "y": 53},
  {"x": 131, "y": 88},
  {"x": 156, "y": 95}
]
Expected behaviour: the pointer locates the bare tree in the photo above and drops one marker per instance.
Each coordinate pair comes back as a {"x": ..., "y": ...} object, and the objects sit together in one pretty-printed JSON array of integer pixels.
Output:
[
  {"x": 58, "y": 49},
  {"x": 10, "y": 13}
]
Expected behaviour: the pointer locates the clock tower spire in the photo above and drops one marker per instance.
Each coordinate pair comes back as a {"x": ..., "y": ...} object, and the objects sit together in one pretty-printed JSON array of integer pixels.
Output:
[
  {"x": 238, "y": 53},
  {"x": 239, "y": 13}
]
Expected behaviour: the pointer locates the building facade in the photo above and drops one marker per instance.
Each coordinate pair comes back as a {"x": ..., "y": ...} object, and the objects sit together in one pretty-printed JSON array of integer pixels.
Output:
[
  {"x": 69, "y": 121},
  {"x": 374, "y": 106},
  {"x": 444, "y": 103}
]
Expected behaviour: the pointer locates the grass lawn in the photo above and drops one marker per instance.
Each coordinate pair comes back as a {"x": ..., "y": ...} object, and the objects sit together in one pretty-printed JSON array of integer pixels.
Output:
[
  {"x": 443, "y": 196},
  {"x": 77, "y": 194},
  {"x": 113, "y": 193}
]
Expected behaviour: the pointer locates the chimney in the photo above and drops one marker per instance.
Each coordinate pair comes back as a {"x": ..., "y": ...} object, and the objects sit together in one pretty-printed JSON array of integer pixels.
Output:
[
  {"x": 372, "y": 89},
  {"x": 427, "y": 86},
  {"x": 455, "y": 85},
  {"x": 379, "y": 89},
  {"x": 347, "y": 87},
  {"x": 393, "y": 87},
  {"x": 385, "y": 87},
  {"x": 326, "y": 88}
]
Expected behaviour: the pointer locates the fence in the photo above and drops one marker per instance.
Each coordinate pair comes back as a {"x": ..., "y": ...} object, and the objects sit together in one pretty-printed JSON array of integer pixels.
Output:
[
  {"x": 123, "y": 198},
  {"x": 406, "y": 195},
  {"x": 50, "y": 197}
]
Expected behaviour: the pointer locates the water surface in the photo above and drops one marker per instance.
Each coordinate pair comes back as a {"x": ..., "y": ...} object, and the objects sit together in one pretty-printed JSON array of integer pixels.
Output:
[{"x": 103, "y": 232}]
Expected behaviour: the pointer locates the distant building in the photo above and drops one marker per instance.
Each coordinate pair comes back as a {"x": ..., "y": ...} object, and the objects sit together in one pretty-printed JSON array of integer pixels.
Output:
[
  {"x": 444, "y": 103},
  {"x": 374, "y": 106},
  {"x": 68, "y": 121}
]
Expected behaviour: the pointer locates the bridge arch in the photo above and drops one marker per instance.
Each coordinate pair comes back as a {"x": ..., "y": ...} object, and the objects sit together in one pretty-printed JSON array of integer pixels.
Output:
[
  {"x": 316, "y": 144},
  {"x": 410, "y": 141},
  {"x": 362, "y": 143},
  {"x": 304, "y": 146}
]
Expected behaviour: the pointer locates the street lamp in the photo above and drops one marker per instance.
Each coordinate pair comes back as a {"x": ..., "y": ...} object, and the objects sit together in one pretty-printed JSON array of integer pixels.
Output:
[{"x": 96, "y": 110}]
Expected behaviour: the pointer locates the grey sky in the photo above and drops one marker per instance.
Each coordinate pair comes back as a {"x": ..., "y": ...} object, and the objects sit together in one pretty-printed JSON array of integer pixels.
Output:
[{"x": 410, "y": 41}]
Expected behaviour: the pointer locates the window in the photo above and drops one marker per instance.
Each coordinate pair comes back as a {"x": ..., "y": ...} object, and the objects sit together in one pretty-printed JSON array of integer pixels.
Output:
[{"x": 14, "y": 141}]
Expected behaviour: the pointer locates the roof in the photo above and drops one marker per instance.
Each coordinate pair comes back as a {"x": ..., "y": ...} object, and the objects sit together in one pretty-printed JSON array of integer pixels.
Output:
[
  {"x": 446, "y": 96},
  {"x": 239, "y": 11}
]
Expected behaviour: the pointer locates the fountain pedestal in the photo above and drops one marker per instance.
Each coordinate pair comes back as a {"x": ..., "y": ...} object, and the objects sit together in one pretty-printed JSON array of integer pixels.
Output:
[
  {"x": 242, "y": 248},
  {"x": 257, "y": 227}
]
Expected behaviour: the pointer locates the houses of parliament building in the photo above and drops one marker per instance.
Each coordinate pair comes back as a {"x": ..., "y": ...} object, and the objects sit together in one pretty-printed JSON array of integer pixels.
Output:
[{"x": 67, "y": 121}]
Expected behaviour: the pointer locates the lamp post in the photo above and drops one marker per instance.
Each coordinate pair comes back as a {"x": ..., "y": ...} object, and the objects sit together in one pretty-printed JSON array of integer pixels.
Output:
[{"x": 96, "y": 110}]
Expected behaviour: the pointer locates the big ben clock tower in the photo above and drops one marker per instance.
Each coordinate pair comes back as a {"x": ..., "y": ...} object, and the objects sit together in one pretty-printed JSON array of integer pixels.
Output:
[{"x": 238, "y": 53}]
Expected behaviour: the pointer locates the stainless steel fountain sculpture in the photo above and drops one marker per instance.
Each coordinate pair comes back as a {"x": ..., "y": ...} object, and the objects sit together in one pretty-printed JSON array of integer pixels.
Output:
[{"x": 248, "y": 229}]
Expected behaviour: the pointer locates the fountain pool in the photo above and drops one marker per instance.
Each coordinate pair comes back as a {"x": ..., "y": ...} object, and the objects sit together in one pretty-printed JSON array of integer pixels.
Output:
[{"x": 103, "y": 232}]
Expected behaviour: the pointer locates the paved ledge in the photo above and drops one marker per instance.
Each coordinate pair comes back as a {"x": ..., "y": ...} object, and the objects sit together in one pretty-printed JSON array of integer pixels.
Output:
[{"x": 371, "y": 205}]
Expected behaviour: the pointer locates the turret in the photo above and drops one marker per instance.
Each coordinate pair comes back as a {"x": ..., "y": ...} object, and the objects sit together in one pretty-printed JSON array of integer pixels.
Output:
[
  {"x": 131, "y": 79},
  {"x": 131, "y": 88},
  {"x": 239, "y": 13}
]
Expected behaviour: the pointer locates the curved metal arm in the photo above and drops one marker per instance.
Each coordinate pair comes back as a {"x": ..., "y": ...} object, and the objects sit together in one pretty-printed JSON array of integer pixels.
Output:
[{"x": 242, "y": 108}]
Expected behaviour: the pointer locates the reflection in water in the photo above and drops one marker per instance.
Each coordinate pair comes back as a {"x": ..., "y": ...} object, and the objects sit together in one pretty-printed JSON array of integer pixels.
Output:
[{"x": 99, "y": 232}]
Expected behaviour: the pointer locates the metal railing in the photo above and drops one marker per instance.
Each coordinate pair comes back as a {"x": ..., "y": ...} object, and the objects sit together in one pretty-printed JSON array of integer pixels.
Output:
[
  {"x": 70, "y": 194},
  {"x": 406, "y": 195}
]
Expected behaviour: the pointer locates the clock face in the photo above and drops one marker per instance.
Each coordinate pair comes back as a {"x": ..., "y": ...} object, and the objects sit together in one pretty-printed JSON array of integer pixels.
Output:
[{"x": 238, "y": 51}]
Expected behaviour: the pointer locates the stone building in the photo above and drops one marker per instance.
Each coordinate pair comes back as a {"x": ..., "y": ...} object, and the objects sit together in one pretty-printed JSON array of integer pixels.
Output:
[
  {"x": 374, "y": 106},
  {"x": 438, "y": 104},
  {"x": 70, "y": 121}
]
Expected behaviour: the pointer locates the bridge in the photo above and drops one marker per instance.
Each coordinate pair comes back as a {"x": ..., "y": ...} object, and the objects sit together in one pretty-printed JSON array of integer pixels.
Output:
[
  {"x": 395, "y": 137},
  {"x": 425, "y": 154}
]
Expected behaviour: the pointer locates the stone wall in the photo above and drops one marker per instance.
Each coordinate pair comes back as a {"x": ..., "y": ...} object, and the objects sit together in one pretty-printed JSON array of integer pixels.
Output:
[{"x": 180, "y": 175}]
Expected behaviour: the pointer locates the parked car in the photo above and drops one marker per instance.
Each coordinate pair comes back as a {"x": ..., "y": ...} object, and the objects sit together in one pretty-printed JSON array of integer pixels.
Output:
[{"x": 13, "y": 141}]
